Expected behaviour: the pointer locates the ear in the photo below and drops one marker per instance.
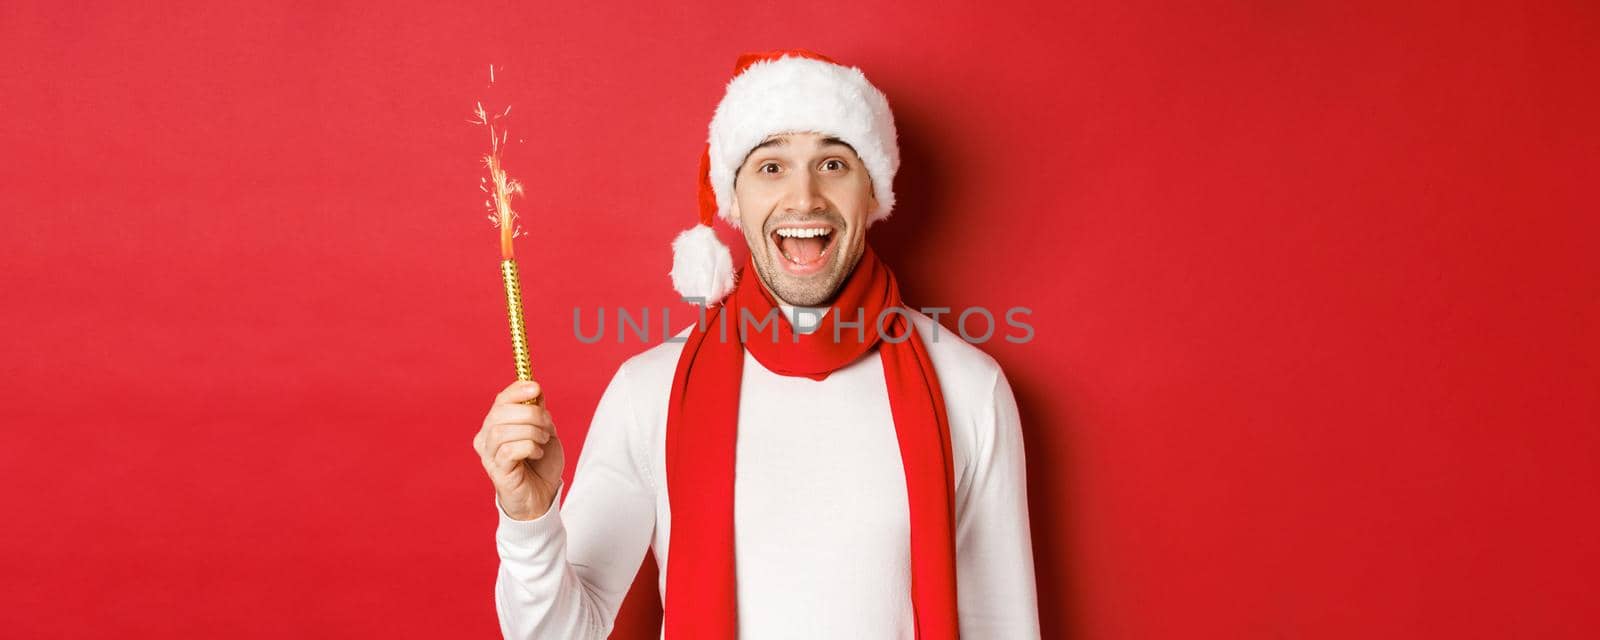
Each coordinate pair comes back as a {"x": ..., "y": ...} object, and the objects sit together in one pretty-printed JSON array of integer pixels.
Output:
[{"x": 872, "y": 203}]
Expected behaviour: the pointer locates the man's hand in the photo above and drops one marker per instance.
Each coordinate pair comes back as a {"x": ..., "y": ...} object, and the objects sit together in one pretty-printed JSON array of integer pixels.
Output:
[{"x": 520, "y": 451}]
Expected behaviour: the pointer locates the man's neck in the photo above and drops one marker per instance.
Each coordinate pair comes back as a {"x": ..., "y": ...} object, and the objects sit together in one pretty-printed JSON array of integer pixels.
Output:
[{"x": 803, "y": 319}]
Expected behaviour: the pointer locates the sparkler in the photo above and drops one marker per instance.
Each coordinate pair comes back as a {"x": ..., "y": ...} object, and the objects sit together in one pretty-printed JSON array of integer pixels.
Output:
[{"x": 501, "y": 189}]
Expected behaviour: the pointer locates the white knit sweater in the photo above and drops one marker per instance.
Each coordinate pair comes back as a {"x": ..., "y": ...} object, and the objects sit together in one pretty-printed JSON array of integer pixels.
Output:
[{"x": 822, "y": 547}]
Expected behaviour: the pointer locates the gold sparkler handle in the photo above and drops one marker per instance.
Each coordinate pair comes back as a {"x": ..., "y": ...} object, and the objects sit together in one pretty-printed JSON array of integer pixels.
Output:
[{"x": 519, "y": 334}]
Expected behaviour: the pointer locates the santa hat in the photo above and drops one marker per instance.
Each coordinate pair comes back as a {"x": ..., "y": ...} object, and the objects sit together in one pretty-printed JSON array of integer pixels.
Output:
[{"x": 789, "y": 90}]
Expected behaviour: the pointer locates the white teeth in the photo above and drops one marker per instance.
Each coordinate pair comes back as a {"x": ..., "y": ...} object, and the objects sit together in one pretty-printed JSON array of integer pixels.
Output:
[{"x": 803, "y": 233}]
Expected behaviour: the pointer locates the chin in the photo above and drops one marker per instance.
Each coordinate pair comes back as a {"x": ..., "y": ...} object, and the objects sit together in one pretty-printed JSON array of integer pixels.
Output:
[
  {"x": 812, "y": 286},
  {"x": 805, "y": 259}
]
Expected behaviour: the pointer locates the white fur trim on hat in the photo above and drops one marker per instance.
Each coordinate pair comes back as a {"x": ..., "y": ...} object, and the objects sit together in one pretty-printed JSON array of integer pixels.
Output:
[
  {"x": 801, "y": 94},
  {"x": 702, "y": 267}
]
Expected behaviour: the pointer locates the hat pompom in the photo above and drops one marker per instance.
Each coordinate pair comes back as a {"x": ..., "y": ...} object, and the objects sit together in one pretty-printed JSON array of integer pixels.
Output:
[{"x": 702, "y": 267}]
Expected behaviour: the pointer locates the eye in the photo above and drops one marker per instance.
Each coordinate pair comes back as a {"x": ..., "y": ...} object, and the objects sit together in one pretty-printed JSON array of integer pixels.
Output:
[
  {"x": 763, "y": 167},
  {"x": 833, "y": 162}
]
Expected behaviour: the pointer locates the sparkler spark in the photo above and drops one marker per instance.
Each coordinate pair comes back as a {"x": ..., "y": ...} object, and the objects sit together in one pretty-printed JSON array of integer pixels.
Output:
[{"x": 501, "y": 187}]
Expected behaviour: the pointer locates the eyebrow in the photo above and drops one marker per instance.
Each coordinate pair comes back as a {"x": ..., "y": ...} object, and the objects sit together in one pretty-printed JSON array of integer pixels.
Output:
[{"x": 782, "y": 141}]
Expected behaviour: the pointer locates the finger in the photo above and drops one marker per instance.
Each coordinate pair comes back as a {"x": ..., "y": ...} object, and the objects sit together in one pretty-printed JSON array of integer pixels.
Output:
[
  {"x": 518, "y": 392},
  {"x": 512, "y": 454},
  {"x": 503, "y": 433},
  {"x": 519, "y": 414},
  {"x": 500, "y": 434}
]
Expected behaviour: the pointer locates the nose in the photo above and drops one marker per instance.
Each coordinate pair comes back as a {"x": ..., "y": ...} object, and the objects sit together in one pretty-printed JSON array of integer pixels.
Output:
[{"x": 805, "y": 194}]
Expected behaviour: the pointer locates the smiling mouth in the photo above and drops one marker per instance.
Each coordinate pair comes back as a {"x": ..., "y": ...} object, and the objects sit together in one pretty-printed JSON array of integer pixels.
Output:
[{"x": 804, "y": 248}]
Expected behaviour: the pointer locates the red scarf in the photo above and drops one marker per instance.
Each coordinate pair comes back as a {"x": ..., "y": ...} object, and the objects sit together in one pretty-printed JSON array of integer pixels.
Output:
[{"x": 702, "y": 428}]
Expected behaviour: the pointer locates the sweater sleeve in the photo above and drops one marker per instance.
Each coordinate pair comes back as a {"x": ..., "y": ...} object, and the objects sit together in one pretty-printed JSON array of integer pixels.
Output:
[
  {"x": 565, "y": 573},
  {"x": 994, "y": 549}
]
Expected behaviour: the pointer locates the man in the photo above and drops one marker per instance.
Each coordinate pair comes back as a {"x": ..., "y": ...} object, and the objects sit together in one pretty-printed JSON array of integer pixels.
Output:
[{"x": 847, "y": 471}]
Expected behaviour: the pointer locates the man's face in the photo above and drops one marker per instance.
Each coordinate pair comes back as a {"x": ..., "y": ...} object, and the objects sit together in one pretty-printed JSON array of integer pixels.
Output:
[{"x": 802, "y": 200}]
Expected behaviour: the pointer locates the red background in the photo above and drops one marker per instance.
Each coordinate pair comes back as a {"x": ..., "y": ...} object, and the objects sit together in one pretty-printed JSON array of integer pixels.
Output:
[{"x": 1314, "y": 286}]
